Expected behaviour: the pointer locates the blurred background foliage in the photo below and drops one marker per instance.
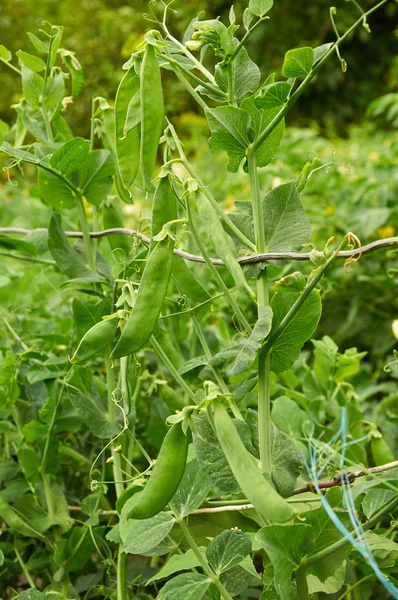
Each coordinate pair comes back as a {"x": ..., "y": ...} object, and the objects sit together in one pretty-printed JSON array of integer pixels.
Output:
[{"x": 104, "y": 33}]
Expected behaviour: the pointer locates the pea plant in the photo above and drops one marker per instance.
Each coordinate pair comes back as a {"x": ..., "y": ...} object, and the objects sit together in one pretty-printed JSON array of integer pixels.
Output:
[{"x": 182, "y": 339}]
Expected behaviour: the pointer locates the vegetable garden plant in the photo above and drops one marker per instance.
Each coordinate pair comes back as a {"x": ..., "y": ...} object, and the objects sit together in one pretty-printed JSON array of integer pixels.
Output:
[{"x": 172, "y": 339}]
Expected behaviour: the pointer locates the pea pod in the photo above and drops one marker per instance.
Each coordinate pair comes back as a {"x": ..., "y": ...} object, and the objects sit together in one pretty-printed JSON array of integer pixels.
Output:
[
  {"x": 381, "y": 451},
  {"x": 271, "y": 507},
  {"x": 95, "y": 339},
  {"x": 164, "y": 208},
  {"x": 127, "y": 145},
  {"x": 165, "y": 477},
  {"x": 153, "y": 286},
  {"x": 152, "y": 113},
  {"x": 112, "y": 220}
]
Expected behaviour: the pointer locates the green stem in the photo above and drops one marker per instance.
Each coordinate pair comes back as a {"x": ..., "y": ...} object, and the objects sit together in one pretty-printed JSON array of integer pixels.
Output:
[
  {"x": 30, "y": 259},
  {"x": 191, "y": 90},
  {"x": 235, "y": 307},
  {"x": 24, "y": 569},
  {"x": 46, "y": 121},
  {"x": 227, "y": 222},
  {"x": 245, "y": 37},
  {"x": 121, "y": 575},
  {"x": 11, "y": 66},
  {"x": 198, "y": 80},
  {"x": 231, "y": 91},
  {"x": 179, "y": 379},
  {"x": 203, "y": 563},
  {"x": 48, "y": 495},
  {"x": 302, "y": 586},
  {"x": 264, "y": 398},
  {"x": 293, "y": 99},
  {"x": 354, "y": 586},
  {"x": 191, "y": 56},
  {"x": 326, "y": 552},
  {"x": 86, "y": 232}
]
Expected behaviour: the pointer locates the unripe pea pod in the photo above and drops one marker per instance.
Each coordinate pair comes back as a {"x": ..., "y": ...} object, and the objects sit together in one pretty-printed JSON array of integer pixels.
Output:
[
  {"x": 381, "y": 451},
  {"x": 165, "y": 477},
  {"x": 112, "y": 220},
  {"x": 94, "y": 340},
  {"x": 271, "y": 507}
]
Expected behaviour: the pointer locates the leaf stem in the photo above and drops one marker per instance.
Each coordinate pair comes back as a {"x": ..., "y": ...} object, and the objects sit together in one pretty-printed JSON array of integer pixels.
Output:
[
  {"x": 5, "y": 62},
  {"x": 86, "y": 231},
  {"x": 302, "y": 586},
  {"x": 179, "y": 379},
  {"x": 264, "y": 398},
  {"x": 203, "y": 563},
  {"x": 24, "y": 569},
  {"x": 208, "y": 86}
]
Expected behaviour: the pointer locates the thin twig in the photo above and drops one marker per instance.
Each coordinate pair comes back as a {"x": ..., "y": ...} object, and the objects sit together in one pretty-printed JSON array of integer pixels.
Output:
[{"x": 243, "y": 260}]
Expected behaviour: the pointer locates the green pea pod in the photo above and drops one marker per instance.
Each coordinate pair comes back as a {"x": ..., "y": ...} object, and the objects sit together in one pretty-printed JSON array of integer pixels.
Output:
[
  {"x": 165, "y": 477},
  {"x": 265, "y": 499},
  {"x": 112, "y": 220},
  {"x": 155, "y": 278},
  {"x": 95, "y": 339},
  {"x": 152, "y": 113},
  {"x": 381, "y": 451},
  {"x": 222, "y": 243},
  {"x": 127, "y": 144},
  {"x": 164, "y": 208}
]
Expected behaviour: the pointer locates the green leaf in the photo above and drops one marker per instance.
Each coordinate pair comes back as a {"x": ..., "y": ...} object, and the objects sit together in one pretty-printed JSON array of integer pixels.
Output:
[
  {"x": 260, "y": 120},
  {"x": 274, "y": 95},
  {"x": 211, "y": 457},
  {"x": 38, "y": 44},
  {"x": 190, "y": 586},
  {"x": 260, "y": 7},
  {"x": 147, "y": 533},
  {"x": 192, "y": 490},
  {"x": 32, "y": 594},
  {"x": 287, "y": 463},
  {"x": 229, "y": 127},
  {"x": 5, "y": 54},
  {"x": 9, "y": 469},
  {"x": 237, "y": 580},
  {"x": 96, "y": 176},
  {"x": 34, "y": 431},
  {"x": 70, "y": 156},
  {"x": 55, "y": 89},
  {"x": 16, "y": 522},
  {"x": 32, "y": 87},
  {"x": 374, "y": 499},
  {"x": 19, "y": 245},
  {"x": 55, "y": 191},
  {"x": 228, "y": 549},
  {"x": 178, "y": 562},
  {"x": 285, "y": 222},
  {"x": 285, "y": 545},
  {"x": 331, "y": 584},
  {"x": 246, "y": 75},
  {"x": 288, "y": 417},
  {"x": 34, "y": 63},
  {"x": 67, "y": 259},
  {"x": 90, "y": 405},
  {"x": 253, "y": 344},
  {"x": 298, "y": 62},
  {"x": 1, "y": 558},
  {"x": 287, "y": 347}
]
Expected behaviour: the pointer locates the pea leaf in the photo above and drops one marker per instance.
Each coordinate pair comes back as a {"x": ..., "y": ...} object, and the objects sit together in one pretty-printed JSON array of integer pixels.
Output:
[
  {"x": 285, "y": 221},
  {"x": 192, "y": 490},
  {"x": 285, "y": 545},
  {"x": 96, "y": 176},
  {"x": 30, "y": 61},
  {"x": 147, "y": 533},
  {"x": 19, "y": 245},
  {"x": 54, "y": 191},
  {"x": 228, "y": 549},
  {"x": 32, "y": 594},
  {"x": 189, "y": 586},
  {"x": 211, "y": 457},
  {"x": 178, "y": 562},
  {"x": 237, "y": 580},
  {"x": 287, "y": 463},
  {"x": 288, "y": 417},
  {"x": 252, "y": 345},
  {"x": 298, "y": 62},
  {"x": 260, "y": 120},
  {"x": 230, "y": 132},
  {"x": 260, "y": 7},
  {"x": 32, "y": 87},
  {"x": 5, "y": 54},
  {"x": 246, "y": 75},
  {"x": 374, "y": 499},
  {"x": 274, "y": 95},
  {"x": 288, "y": 345},
  {"x": 1, "y": 558},
  {"x": 70, "y": 156},
  {"x": 67, "y": 259}
]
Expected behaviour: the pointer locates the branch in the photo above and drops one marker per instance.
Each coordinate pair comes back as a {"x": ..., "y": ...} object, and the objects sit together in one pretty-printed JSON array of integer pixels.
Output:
[{"x": 243, "y": 260}]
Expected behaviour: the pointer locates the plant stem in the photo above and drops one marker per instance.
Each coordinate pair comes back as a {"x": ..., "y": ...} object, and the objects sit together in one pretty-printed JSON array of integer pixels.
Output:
[
  {"x": 203, "y": 563},
  {"x": 30, "y": 259},
  {"x": 24, "y": 569},
  {"x": 11, "y": 66},
  {"x": 354, "y": 586},
  {"x": 179, "y": 379},
  {"x": 86, "y": 232},
  {"x": 48, "y": 496},
  {"x": 264, "y": 401},
  {"x": 235, "y": 307},
  {"x": 301, "y": 581},
  {"x": 121, "y": 575},
  {"x": 198, "y": 80},
  {"x": 326, "y": 552}
]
